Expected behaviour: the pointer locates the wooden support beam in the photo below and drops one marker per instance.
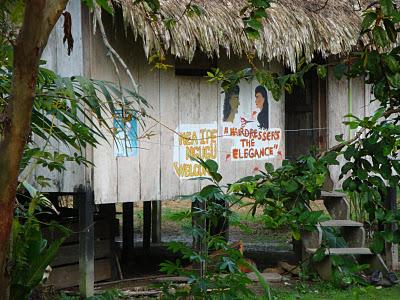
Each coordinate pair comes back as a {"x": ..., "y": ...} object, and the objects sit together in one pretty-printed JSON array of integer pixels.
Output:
[
  {"x": 391, "y": 249},
  {"x": 199, "y": 245},
  {"x": 156, "y": 221},
  {"x": 127, "y": 228},
  {"x": 86, "y": 242},
  {"x": 109, "y": 212},
  {"x": 146, "y": 224}
]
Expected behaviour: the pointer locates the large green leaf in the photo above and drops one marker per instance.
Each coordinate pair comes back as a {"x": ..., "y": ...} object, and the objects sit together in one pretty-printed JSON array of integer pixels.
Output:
[{"x": 380, "y": 36}]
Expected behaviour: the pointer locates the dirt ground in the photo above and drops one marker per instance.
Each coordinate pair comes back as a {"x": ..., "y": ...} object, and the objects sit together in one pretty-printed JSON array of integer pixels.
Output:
[{"x": 265, "y": 247}]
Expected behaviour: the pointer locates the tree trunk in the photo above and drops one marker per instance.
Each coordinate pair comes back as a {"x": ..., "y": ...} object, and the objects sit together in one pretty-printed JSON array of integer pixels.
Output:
[{"x": 39, "y": 19}]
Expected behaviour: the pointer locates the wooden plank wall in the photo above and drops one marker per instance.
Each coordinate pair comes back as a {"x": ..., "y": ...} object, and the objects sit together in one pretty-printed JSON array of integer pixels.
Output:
[
  {"x": 175, "y": 100},
  {"x": 338, "y": 106},
  {"x": 55, "y": 54},
  {"x": 65, "y": 266}
]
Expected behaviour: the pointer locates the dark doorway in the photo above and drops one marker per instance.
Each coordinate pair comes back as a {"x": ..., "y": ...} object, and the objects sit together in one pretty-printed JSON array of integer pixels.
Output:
[{"x": 305, "y": 117}]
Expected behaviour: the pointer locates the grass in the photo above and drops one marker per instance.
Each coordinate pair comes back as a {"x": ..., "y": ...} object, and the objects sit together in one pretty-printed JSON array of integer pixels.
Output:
[
  {"x": 325, "y": 291},
  {"x": 168, "y": 214},
  {"x": 302, "y": 291}
]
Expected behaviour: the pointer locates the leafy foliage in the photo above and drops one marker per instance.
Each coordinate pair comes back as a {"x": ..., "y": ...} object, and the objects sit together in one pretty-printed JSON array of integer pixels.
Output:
[
  {"x": 105, "y": 295},
  {"x": 31, "y": 253},
  {"x": 68, "y": 114},
  {"x": 372, "y": 156},
  {"x": 70, "y": 111},
  {"x": 284, "y": 194},
  {"x": 215, "y": 271},
  {"x": 252, "y": 15}
]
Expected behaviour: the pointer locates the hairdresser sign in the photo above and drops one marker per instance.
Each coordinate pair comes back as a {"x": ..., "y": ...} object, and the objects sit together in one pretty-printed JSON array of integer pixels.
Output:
[
  {"x": 246, "y": 123},
  {"x": 251, "y": 142}
]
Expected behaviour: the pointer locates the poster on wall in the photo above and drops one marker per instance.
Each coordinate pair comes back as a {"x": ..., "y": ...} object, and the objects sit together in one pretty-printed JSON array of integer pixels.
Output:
[
  {"x": 194, "y": 140},
  {"x": 247, "y": 124},
  {"x": 125, "y": 140}
]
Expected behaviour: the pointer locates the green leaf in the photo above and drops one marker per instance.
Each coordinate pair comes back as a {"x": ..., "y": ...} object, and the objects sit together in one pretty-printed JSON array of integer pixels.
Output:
[
  {"x": 369, "y": 18},
  {"x": 377, "y": 245},
  {"x": 394, "y": 80},
  {"x": 260, "y": 3},
  {"x": 347, "y": 167},
  {"x": 197, "y": 10},
  {"x": 260, "y": 13},
  {"x": 339, "y": 71},
  {"x": 154, "y": 5},
  {"x": 388, "y": 235},
  {"x": 339, "y": 138},
  {"x": 330, "y": 158},
  {"x": 290, "y": 186},
  {"x": 88, "y": 3},
  {"x": 169, "y": 23},
  {"x": 378, "y": 114},
  {"x": 380, "y": 90},
  {"x": 380, "y": 36},
  {"x": 211, "y": 165},
  {"x": 390, "y": 30},
  {"x": 269, "y": 167},
  {"x": 296, "y": 234},
  {"x": 322, "y": 71},
  {"x": 350, "y": 152},
  {"x": 104, "y": 5},
  {"x": 208, "y": 191},
  {"x": 362, "y": 174},
  {"x": 216, "y": 176},
  {"x": 387, "y": 7},
  {"x": 392, "y": 63},
  {"x": 319, "y": 255},
  {"x": 255, "y": 24},
  {"x": 252, "y": 33},
  {"x": 349, "y": 185}
]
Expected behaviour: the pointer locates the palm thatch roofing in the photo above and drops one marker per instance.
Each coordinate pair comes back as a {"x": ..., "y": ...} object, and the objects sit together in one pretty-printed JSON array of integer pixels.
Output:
[{"x": 293, "y": 29}]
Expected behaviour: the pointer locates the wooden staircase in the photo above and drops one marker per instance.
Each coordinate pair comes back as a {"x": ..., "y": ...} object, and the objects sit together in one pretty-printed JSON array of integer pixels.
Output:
[{"x": 352, "y": 232}]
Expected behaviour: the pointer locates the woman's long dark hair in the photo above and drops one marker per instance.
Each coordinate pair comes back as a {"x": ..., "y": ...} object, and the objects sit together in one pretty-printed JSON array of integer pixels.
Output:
[
  {"x": 262, "y": 117},
  {"x": 227, "y": 102}
]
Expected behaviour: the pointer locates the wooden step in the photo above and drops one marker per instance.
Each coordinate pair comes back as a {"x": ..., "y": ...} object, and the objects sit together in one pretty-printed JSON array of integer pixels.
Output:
[
  {"x": 337, "y": 205},
  {"x": 343, "y": 251},
  {"x": 332, "y": 195},
  {"x": 362, "y": 256},
  {"x": 341, "y": 223}
]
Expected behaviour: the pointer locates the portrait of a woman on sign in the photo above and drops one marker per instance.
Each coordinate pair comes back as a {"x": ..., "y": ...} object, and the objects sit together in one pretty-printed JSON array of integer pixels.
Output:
[
  {"x": 231, "y": 104},
  {"x": 262, "y": 105}
]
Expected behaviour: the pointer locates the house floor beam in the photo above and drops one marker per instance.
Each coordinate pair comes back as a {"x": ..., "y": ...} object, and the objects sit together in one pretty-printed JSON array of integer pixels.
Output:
[
  {"x": 86, "y": 242},
  {"x": 156, "y": 222},
  {"x": 127, "y": 228},
  {"x": 146, "y": 224}
]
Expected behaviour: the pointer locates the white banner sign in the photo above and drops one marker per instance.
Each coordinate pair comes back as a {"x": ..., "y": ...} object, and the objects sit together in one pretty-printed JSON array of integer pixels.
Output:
[
  {"x": 251, "y": 142},
  {"x": 194, "y": 140}
]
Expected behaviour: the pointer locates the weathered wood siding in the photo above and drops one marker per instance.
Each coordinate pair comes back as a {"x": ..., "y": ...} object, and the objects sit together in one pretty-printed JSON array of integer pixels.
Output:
[
  {"x": 57, "y": 60},
  {"x": 175, "y": 100},
  {"x": 339, "y": 105}
]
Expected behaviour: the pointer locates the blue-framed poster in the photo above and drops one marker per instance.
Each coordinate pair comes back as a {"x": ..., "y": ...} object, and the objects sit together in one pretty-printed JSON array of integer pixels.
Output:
[{"x": 125, "y": 128}]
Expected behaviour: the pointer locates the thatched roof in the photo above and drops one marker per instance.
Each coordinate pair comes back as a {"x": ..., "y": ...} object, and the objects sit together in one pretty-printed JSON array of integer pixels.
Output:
[{"x": 294, "y": 28}]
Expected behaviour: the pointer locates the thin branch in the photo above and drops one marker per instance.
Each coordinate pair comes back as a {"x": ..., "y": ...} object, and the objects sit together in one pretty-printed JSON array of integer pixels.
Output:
[
  {"x": 372, "y": 4},
  {"x": 187, "y": 7},
  {"x": 113, "y": 53},
  {"x": 359, "y": 133},
  {"x": 320, "y": 8}
]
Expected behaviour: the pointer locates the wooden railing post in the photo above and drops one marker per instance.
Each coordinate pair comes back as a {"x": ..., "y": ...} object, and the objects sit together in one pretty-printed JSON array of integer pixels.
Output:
[{"x": 86, "y": 242}]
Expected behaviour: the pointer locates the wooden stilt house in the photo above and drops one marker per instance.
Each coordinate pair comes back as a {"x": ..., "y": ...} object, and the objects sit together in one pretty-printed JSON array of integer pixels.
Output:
[{"x": 235, "y": 129}]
